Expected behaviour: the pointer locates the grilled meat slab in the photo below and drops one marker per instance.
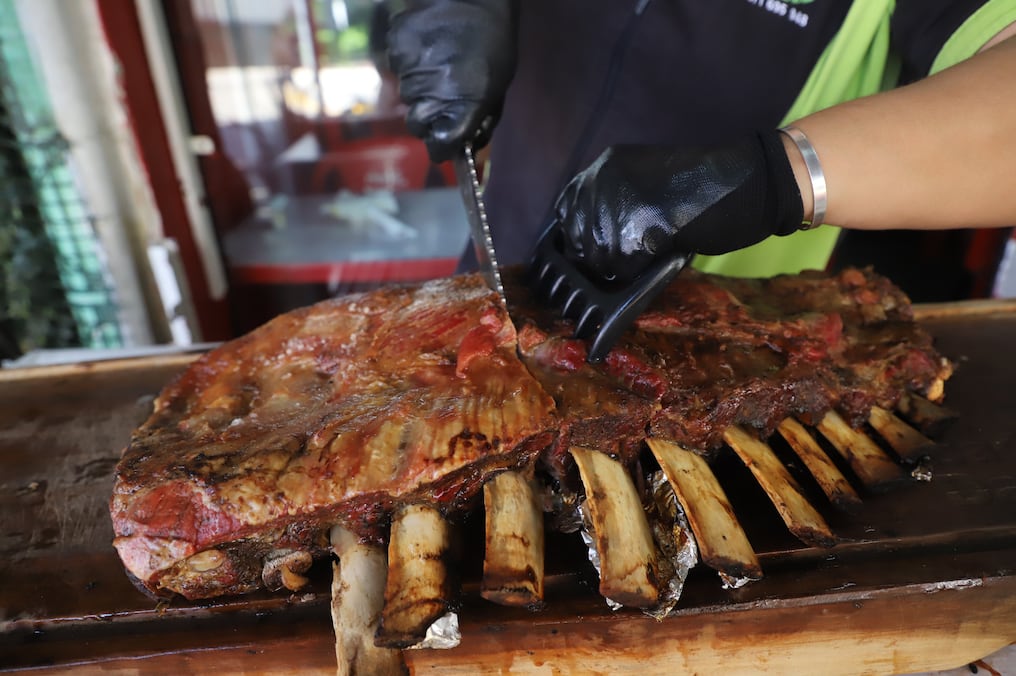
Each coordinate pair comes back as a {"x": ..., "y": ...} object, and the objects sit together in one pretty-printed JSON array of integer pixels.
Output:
[
  {"x": 329, "y": 414},
  {"x": 340, "y": 412}
]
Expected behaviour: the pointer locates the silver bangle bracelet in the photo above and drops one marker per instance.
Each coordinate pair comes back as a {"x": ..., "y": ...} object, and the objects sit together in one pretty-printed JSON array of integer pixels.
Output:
[{"x": 819, "y": 196}]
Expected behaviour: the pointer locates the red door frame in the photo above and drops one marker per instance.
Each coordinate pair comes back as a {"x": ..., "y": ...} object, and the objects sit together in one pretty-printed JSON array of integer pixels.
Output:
[{"x": 123, "y": 34}]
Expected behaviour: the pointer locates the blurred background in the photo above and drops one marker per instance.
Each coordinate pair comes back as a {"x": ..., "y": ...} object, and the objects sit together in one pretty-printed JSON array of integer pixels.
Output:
[{"x": 176, "y": 172}]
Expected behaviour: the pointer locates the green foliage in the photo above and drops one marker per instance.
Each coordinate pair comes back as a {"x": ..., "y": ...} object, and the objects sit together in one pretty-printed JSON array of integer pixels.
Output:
[{"x": 343, "y": 46}]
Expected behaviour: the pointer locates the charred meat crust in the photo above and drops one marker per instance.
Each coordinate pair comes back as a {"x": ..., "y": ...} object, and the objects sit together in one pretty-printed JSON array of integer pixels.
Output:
[
  {"x": 331, "y": 414},
  {"x": 345, "y": 410},
  {"x": 714, "y": 352}
]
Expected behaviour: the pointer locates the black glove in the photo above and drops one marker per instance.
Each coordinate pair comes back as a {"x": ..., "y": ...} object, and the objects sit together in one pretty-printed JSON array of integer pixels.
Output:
[
  {"x": 635, "y": 204},
  {"x": 454, "y": 60}
]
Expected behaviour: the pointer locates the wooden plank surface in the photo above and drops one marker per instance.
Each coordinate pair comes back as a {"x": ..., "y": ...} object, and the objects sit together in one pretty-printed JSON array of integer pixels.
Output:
[{"x": 924, "y": 580}]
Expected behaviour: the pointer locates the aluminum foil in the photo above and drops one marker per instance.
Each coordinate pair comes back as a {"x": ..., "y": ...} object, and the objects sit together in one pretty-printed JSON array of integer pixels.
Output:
[
  {"x": 441, "y": 635},
  {"x": 922, "y": 471},
  {"x": 586, "y": 530},
  {"x": 673, "y": 537},
  {"x": 731, "y": 582}
]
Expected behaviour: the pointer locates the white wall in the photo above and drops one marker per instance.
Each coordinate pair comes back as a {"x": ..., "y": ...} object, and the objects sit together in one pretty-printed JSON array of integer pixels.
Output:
[{"x": 81, "y": 75}]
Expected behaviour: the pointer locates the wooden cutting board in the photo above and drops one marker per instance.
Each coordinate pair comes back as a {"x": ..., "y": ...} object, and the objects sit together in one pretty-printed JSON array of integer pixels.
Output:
[{"x": 925, "y": 578}]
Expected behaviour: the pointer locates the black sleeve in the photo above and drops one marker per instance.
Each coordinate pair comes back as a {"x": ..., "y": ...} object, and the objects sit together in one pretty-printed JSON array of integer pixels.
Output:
[{"x": 919, "y": 29}]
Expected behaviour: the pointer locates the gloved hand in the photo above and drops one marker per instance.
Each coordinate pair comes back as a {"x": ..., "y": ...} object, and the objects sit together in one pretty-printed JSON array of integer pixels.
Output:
[
  {"x": 635, "y": 204},
  {"x": 454, "y": 60}
]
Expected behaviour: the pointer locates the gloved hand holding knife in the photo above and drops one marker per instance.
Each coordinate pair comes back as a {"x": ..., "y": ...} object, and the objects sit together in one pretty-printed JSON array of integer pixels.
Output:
[
  {"x": 455, "y": 60},
  {"x": 635, "y": 216}
]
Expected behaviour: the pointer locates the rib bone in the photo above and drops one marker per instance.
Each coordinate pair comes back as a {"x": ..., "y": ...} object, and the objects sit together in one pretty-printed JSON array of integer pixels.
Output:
[
  {"x": 418, "y": 588},
  {"x": 358, "y": 585},
  {"x": 930, "y": 417},
  {"x": 801, "y": 518},
  {"x": 829, "y": 478},
  {"x": 908, "y": 443},
  {"x": 871, "y": 464},
  {"x": 513, "y": 563},
  {"x": 628, "y": 568},
  {"x": 722, "y": 543}
]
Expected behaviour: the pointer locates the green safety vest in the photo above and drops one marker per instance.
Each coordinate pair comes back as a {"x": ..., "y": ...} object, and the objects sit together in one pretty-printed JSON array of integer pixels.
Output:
[{"x": 856, "y": 63}]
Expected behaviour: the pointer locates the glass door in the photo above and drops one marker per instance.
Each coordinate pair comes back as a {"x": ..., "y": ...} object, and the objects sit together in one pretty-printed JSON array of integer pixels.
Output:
[{"x": 314, "y": 184}]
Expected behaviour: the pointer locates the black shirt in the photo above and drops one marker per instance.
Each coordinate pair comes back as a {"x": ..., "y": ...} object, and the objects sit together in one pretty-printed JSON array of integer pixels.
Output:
[{"x": 592, "y": 74}]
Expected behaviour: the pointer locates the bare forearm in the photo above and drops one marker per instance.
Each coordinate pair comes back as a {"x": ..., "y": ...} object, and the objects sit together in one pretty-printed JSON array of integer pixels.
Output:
[{"x": 940, "y": 153}]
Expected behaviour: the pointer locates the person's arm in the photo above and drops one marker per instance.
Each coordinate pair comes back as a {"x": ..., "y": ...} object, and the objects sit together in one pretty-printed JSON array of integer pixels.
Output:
[
  {"x": 939, "y": 153},
  {"x": 935, "y": 154}
]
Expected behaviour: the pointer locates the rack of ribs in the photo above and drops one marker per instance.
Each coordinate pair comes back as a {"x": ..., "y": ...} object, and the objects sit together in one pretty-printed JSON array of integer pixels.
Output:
[{"x": 365, "y": 425}]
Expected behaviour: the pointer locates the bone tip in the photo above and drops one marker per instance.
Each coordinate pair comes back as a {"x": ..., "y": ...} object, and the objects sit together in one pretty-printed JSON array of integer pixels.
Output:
[
  {"x": 514, "y": 598},
  {"x": 818, "y": 538},
  {"x": 848, "y": 503},
  {"x": 736, "y": 569}
]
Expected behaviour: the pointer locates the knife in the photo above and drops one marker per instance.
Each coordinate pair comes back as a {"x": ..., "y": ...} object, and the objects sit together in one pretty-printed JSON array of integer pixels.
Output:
[{"x": 472, "y": 197}]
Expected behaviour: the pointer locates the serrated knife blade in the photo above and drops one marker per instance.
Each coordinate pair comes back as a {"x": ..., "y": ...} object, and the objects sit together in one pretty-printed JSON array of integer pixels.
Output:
[{"x": 476, "y": 213}]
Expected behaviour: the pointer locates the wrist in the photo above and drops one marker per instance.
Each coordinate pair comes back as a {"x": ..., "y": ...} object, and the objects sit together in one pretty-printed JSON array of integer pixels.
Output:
[
  {"x": 784, "y": 211},
  {"x": 800, "y": 176},
  {"x": 750, "y": 193},
  {"x": 808, "y": 174}
]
